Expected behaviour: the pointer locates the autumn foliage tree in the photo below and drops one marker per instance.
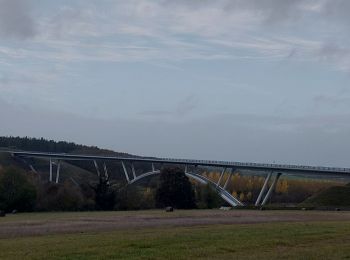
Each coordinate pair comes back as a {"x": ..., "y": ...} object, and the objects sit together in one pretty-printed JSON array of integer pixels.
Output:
[{"x": 288, "y": 190}]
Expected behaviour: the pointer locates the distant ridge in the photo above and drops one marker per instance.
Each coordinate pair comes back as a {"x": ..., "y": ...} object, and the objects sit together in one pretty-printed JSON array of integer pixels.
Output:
[
  {"x": 81, "y": 171},
  {"x": 45, "y": 145}
]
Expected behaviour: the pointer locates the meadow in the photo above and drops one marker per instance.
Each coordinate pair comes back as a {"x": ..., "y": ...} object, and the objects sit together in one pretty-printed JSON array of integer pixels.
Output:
[{"x": 194, "y": 234}]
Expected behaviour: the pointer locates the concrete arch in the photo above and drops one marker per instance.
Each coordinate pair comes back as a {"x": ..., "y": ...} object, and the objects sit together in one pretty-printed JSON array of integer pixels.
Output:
[{"x": 222, "y": 192}]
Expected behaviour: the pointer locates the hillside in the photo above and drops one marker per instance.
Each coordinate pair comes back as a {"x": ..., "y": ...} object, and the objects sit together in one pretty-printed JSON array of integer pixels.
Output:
[
  {"x": 43, "y": 145},
  {"x": 80, "y": 171},
  {"x": 25, "y": 186},
  {"x": 337, "y": 196}
]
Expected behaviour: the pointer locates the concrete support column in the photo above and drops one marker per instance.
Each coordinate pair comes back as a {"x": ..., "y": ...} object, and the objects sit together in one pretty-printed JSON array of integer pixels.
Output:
[
  {"x": 269, "y": 193},
  {"x": 133, "y": 170},
  {"x": 125, "y": 172},
  {"x": 263, "y": 189},
  {"x": 97, "y": 169},
  {"x": 58, "y": 170},
  {"x": 228, "y": 178},
  {"x": 105, "y": 171},
  {"x": 221, "y": 175},
  {"x": 50, "y": 178}
]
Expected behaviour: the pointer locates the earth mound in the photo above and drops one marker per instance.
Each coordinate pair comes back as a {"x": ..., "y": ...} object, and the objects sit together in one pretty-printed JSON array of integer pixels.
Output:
[{"x": 337, "y": 196}]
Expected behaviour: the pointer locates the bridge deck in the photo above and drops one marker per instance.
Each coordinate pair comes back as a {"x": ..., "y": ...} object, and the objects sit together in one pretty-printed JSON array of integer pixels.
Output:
[{"x": 294, "y": 169}]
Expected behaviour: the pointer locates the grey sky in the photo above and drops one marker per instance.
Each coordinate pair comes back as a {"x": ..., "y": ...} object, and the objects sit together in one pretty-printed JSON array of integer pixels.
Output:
[
  {"x": 256, "y": 80},
  {"x": 15, "y": 19}
]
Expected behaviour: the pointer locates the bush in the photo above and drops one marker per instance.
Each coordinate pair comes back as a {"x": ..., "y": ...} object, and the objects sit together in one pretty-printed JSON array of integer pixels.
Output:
[
  {"x": 61, "y": 197},
  {"x": 207, "y": 198},
  {"x": 16, "y": 192},
  {"x": 134, "y": 198}
]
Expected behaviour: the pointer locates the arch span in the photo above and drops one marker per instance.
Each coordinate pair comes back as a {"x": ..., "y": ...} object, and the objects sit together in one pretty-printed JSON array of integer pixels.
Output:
[{"x": 225, "y": 195}]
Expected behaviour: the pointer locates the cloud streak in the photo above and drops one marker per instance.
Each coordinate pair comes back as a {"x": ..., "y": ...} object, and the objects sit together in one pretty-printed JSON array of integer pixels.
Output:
[{"x": 175, "y": 30}]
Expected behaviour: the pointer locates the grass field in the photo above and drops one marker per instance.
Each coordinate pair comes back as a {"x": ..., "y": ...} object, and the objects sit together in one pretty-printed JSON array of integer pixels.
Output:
[{"x": 169, "y": 238}]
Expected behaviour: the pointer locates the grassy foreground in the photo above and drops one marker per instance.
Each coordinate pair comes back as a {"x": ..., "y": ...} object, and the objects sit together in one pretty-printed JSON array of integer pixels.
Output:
[{"x": 315, "y": 240}]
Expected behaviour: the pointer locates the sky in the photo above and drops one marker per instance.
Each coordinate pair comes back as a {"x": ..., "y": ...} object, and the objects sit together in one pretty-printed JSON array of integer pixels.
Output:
[{"x": 239, "y": 80}]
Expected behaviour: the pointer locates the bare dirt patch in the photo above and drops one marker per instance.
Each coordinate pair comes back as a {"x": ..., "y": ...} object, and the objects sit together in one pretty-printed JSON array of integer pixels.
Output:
[{"x": 81, "y": 222}]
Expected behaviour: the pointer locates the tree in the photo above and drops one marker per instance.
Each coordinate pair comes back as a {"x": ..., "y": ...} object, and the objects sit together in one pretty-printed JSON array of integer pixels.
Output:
[
  {"x": 104, "y": 195},
  {"x": 16, "y": 192},
  {"x": 206, "y": 197},
  {"x": 175, "y": 190}
]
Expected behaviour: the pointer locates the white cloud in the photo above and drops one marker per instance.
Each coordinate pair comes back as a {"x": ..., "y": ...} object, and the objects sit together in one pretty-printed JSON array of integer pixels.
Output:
[{"x": 175, "y": 30}]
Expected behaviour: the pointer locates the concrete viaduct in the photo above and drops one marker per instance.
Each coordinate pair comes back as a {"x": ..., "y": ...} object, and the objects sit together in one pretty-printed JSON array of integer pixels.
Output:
[{"x": 273, "y": 171}]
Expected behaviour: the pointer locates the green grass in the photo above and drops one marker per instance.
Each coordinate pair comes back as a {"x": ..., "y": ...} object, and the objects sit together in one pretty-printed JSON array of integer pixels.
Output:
[
  {"x": 75, "y": 215},
  {"x": 327, "y": 240},
  {"x": 45, "y": 216}
]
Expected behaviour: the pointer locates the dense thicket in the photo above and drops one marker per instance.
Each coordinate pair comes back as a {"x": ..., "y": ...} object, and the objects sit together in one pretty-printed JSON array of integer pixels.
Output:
[
  {"x": 16, "y": 192},
  {"x": 175, "y": 190}
]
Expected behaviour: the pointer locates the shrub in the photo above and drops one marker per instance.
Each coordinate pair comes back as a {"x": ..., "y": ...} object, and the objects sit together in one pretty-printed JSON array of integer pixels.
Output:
[
  {"x": 60, "y": 197},
  {"x": 16, "y": 192},
  {"x": 207, "y": 198}
]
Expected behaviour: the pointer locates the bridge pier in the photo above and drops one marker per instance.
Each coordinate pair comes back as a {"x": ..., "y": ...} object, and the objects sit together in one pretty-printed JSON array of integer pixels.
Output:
[
  {"x": 58, "y": 170},
  {"x": 97, "y": 169},
  {"x": 125, "y": 172},
  {"x": 133, "y": 170},
  {"x": 106, "y": 172},
  {"x": 50, "y": 177},
  {"x": 263, "y": 189},
  {"x": 221, "y": 175},
  {"x": 228, "y": 178},
  {"x": 272, "y": 187}
]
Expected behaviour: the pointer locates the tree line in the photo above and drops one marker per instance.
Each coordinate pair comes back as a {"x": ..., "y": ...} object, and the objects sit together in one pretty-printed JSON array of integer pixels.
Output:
[
  {"x": 25, "y": 191},
  {"x": 44, "y": 145}
]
